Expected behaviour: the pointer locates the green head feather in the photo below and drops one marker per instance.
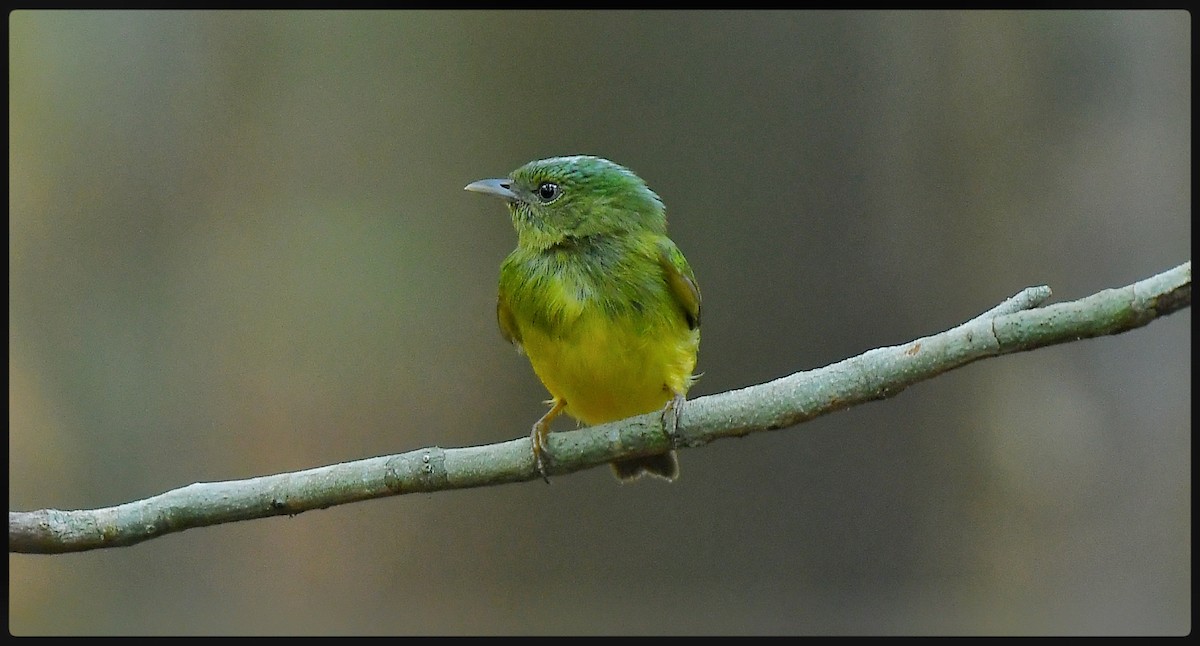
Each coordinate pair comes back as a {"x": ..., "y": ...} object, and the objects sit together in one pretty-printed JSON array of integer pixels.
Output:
[{"x": 562, "y": 198}]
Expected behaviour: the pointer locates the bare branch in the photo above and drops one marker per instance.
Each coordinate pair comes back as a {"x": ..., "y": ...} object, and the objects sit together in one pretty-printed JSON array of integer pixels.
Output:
[{"x": 1015, "y": 325}]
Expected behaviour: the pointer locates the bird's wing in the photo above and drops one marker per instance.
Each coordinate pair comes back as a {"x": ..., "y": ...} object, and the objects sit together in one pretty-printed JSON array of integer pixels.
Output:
[
  {"x": 508, "y": 324},
  {"x": 681, "y": 280}
]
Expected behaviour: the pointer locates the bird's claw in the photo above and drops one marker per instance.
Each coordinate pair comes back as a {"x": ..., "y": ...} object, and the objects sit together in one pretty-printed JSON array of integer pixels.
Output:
[
  {"x": 540, "y": 450},
  {"x": 671, "y": 409}
]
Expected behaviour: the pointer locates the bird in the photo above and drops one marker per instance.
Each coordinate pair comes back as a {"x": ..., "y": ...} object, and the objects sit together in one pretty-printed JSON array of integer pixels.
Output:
[{"x": 600, "y": 300}]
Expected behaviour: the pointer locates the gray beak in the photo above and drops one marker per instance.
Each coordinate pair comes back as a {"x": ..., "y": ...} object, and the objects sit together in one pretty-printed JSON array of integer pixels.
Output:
[{"x": 497, "y": 187}]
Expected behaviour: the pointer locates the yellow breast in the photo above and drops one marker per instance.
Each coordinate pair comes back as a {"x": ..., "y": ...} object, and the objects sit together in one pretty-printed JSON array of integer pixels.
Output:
[{"x": 608, "y": 369}]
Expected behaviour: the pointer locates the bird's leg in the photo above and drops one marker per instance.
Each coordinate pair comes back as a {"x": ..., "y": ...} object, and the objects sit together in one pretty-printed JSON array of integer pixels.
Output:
[
  {"x": 541, "y": 428},
  {"x": 672, "y": 408}
]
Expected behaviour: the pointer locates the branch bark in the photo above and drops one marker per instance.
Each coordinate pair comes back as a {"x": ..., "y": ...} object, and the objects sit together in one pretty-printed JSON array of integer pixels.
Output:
[{"x": 1016, "y": 325}]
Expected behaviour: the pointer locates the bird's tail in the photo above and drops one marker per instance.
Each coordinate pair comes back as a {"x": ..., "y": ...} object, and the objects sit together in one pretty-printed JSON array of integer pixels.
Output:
[{"x": 663, "y": 465}]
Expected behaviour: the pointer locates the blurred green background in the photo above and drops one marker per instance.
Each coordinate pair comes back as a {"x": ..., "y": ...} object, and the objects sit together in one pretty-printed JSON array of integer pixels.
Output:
[{"x": 239, "y": 245}]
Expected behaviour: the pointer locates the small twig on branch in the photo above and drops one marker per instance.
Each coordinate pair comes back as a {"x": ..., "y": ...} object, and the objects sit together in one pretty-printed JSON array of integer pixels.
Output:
[{"x": 1013, "y": 326}]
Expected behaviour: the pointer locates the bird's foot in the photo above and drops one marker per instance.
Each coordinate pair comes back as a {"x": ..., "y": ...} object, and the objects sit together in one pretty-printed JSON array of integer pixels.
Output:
[
  {"x": 537, "y": 439},
  {"x": 540, "y": 452},
  {"x": 671, "y": 412}
]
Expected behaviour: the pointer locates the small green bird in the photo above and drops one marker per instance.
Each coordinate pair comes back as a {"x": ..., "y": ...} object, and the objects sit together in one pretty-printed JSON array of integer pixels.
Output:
[{"x": 597, "y": 296}]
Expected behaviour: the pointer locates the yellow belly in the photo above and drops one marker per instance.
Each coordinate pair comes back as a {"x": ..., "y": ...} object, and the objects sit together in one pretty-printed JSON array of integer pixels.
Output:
[{"x": 608, "y": 370}]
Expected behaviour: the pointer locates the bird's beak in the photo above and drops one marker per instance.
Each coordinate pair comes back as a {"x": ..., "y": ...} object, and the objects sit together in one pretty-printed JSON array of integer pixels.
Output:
[{"x": 498, "y": 187}]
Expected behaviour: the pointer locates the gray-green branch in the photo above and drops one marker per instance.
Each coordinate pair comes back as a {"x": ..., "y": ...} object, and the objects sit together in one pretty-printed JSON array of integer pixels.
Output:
[{"x": 1016, "y": 325}]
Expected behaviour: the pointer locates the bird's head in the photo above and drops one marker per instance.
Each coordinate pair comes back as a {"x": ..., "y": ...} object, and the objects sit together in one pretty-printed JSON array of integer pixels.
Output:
[{"x": 554, "y": 200}]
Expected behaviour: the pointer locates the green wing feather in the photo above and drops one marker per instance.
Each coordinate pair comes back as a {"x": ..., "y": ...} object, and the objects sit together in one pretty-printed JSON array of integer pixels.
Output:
[
  {"x": 508, "y": 324},
  {"x": 681, "y": 280}
]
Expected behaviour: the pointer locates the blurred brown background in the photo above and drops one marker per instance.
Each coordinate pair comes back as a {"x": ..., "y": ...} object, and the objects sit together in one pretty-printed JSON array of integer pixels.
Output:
[{"x": 240, "y": 246}]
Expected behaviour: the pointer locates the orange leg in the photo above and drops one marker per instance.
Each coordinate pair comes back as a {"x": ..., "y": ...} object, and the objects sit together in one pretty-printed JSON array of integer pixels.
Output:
[{"x": 538, "y": 438}]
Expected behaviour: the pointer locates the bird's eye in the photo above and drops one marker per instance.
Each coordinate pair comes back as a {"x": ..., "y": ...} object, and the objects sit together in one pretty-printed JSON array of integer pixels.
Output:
[{"x": 548, "y": 191}]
